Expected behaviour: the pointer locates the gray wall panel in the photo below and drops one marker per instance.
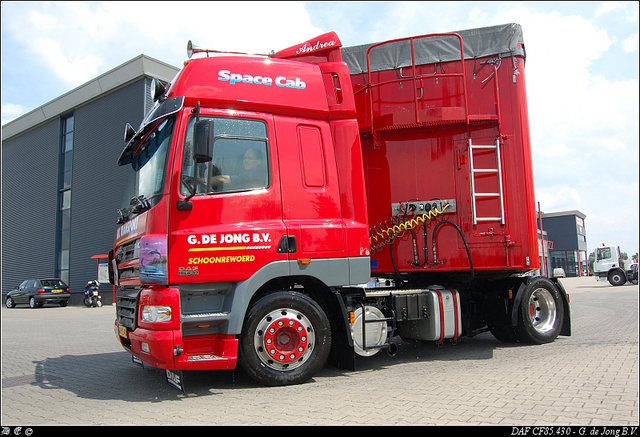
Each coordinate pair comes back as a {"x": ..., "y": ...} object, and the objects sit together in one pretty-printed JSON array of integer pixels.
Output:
[
  {"x": 562, "y": 231},
  {"x": 30, "y": 171},
  {"x": 29, "y": 204},
  {"x": 98, "y": 183}
]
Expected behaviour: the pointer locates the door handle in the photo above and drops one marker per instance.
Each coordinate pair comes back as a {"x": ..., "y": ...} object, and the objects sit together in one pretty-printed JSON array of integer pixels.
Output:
[{"x": 287, "y": 244}]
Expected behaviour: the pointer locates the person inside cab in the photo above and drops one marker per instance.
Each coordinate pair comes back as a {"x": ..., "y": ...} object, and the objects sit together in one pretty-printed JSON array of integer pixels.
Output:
[{"x": 254, "y": 175}]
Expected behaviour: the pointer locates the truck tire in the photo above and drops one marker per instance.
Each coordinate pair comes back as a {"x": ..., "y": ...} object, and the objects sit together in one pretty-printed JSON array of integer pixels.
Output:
[
  {"x": 285, "y": 340},
  {"x": 617, "y": 277},
  {"x": 541, "y": 312}
]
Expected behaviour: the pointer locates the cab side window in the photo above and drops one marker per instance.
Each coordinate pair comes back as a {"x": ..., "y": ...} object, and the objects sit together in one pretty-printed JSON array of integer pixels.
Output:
[{"x": 240, "y": 158}]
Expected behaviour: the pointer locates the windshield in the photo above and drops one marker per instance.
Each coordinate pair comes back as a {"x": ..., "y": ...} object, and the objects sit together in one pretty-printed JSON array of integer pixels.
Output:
[{"x": 148, "y": 169}]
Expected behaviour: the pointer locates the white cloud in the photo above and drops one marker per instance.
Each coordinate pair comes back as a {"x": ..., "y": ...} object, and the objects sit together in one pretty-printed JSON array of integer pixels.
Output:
[
  {"x": 71, "y": 66},
  {"x": 629, "y": 9},
  {"x": 555, "y": 150},
  {"x": 630, "y": 44},
  {"x": 78, "y": 40},
  {"x": 563, "y": 197},
  {"x": 11, "y": 111},
  {"x": 609, "y": 6}
]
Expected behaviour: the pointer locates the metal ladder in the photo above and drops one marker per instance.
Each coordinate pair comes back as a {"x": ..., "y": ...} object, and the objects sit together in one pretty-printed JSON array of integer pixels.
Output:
[{"x": 497, "y": 171}]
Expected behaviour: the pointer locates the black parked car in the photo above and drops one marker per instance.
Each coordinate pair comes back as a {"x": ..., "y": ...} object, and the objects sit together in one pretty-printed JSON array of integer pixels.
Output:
[{"x": 37, "y": 292}]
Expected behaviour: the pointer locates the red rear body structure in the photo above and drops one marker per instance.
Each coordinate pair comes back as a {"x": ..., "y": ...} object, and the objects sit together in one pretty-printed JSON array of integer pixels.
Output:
[{"x": 454, "y": 130}]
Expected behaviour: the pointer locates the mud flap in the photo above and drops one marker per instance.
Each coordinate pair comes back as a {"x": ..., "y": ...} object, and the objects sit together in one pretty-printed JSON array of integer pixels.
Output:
[
  {"x": 566, "y": 324},
  {"x": 175, "y": 378},
  {"x": 343, "y": 355}
]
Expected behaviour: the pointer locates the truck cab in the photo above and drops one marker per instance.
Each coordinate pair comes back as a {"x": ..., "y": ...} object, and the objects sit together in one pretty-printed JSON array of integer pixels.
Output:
[
  {"x": 234, "y": 193},
  {"x": 608, "y": 266}
]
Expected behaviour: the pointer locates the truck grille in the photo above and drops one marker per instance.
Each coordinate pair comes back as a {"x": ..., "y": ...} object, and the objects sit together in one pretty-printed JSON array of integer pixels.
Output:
[
  {"x": 128, "y": 251},
  {"x": 127, "y": 306}
]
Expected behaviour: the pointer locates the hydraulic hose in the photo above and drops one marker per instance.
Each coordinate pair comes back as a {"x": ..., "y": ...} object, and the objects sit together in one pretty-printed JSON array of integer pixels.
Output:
[
  {"x": 385, "y": 232},
  {"x": 464, "y": 240}
]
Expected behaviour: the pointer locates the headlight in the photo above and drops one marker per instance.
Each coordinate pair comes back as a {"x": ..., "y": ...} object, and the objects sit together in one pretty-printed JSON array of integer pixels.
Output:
[{"x": 153, "y": 313}]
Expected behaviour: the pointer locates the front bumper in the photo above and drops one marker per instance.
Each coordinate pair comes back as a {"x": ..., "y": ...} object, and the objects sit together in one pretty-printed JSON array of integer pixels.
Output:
[{"x": 168, "y": 349}]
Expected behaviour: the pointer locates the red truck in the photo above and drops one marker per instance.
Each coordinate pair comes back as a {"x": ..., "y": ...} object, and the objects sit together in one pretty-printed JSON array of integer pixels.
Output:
[{"x": 321, "y": 202}]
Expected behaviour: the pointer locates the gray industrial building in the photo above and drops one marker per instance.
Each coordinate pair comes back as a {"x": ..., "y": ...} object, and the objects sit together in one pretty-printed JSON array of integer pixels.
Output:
[
  {"x": 566, "y": 242},
  {"x": 61, "y": 186}
]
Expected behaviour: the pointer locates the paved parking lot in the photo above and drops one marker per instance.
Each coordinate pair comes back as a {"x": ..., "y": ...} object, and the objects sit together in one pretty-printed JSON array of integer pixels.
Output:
[{"x": 64, "y": 366}]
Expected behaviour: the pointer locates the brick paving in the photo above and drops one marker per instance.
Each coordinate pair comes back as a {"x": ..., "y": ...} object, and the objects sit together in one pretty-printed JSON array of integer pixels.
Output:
[{"x": 60, "y": 363}]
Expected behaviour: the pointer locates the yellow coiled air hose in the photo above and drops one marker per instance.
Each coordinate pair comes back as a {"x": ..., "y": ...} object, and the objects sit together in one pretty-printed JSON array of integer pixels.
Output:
[{"x": 385, "y": 232}]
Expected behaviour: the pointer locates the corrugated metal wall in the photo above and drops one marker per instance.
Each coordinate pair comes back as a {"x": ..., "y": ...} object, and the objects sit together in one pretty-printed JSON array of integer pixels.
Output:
[
  {"x": 29, "y": 204},
  {"x": 30, "y": 187}
]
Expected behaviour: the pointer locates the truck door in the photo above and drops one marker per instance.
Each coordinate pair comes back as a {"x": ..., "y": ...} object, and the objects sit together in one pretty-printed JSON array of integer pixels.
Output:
[
  {"x": 310, "y": 192},
  {"x": 235, "y": 223}
]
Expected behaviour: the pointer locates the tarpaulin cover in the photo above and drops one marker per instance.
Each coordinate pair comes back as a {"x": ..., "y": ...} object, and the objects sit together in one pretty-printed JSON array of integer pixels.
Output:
[{"x": 502, "y": 40}]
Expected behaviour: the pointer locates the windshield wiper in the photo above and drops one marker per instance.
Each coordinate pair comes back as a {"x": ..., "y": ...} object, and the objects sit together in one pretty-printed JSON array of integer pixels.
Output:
[
  {"x": 123, "y": 215},
  {"x": 139, "y": 204}
]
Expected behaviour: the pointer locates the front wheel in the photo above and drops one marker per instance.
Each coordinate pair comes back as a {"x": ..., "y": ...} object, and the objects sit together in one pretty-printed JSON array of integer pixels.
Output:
[
  {"x": 9, "y": 302},
  {"x": 617, "y": 278},
  {"x": 541, "y": 312},
  {"x": 286, "y": 339}
]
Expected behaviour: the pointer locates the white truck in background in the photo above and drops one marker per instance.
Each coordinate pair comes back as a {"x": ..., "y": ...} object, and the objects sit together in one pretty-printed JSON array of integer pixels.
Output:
[{"x": 610, "y": 267}]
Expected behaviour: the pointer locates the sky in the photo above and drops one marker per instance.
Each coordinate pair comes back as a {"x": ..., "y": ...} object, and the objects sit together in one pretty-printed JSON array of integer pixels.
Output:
[{"x": 581, "y": 72}]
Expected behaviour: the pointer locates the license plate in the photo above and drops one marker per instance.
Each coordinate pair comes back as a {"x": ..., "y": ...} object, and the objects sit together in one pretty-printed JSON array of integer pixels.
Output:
[
  {"x": 56, "y": 291},
  {"x": 123, "y": 331}
]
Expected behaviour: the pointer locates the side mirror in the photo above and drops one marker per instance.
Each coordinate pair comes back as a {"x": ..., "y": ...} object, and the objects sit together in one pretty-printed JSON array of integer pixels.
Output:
[
  {"x": 203, "y": 141},
  {"x": 157, "y": 89}
]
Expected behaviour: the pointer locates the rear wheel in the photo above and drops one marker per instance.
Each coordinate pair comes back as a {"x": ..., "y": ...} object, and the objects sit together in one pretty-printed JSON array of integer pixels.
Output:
[
  {"x": 541, "y": 312},
  {"x": 286, "y": 339}
]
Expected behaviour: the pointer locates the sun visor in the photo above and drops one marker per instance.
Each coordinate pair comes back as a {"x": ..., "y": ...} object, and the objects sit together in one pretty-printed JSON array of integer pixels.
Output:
[{"x": 160, "y": 110}]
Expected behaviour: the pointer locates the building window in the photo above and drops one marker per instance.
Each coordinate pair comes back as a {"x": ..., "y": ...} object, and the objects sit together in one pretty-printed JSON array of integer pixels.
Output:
[{"x": 64, "y": 200}]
